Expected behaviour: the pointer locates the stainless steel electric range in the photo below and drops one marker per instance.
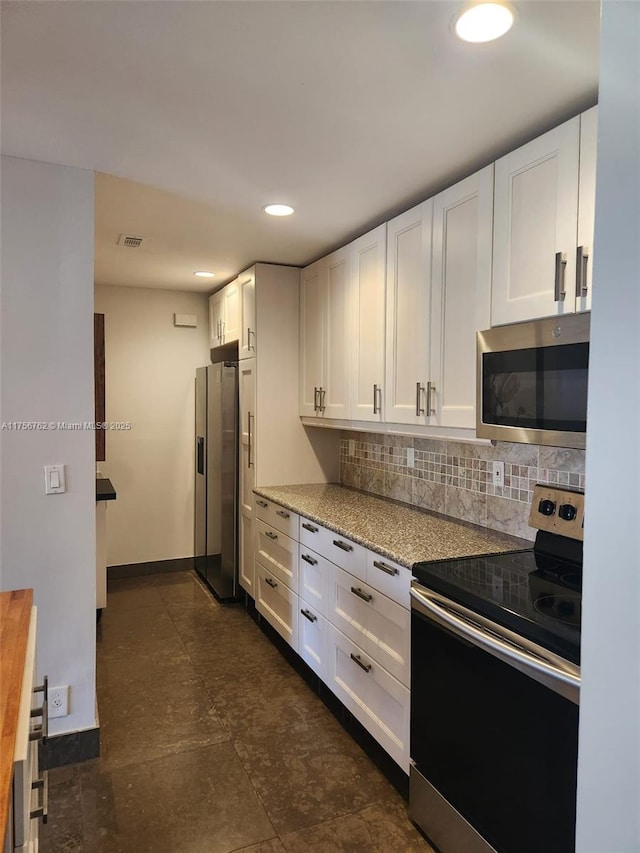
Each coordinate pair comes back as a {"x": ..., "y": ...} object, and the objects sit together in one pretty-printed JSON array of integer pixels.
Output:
[{"x": 495, "y": 685}]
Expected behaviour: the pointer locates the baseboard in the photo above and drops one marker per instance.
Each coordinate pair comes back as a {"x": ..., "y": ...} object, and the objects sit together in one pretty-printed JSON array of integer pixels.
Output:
[
  {"x": 135, "y": 570},
  {"x": 71, "y": 748}
]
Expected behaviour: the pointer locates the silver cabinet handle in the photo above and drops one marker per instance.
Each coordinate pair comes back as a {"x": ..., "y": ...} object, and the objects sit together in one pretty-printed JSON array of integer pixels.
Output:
[
  {"x": 249, "y": 442},
  {"x": 379, "y": 400},
  {"x": 389, "y": 570},
  {"x": 375, "y": 399},
  {"x": 263, "y": 504},
  {"x": 271, "y": 583},
  {"x": 357, "y": 659},
  {"x": 309, "y": 616},
  {"x": 316, "y": 405},
  {"x": 271, "y": 535},
  {"x": 431, "y": 390},
  {"x": 41, "y": 732},
  {"x": 582, "y": 260},
  {"x": 559, "y": 292},
  {"x": 310, "y": 527},
  {"x": 223, "y": 330},
  {"x": 365, "y": 596},
  {"x": 282, "y": 513},
  {"x": 249, "y": 333},
  {"x": 344, "y": 546},
  {"x": 322, "y": 406},
  {"x": 308, "y": 559},
  {"x": 41, "y": 785},
  {"x": 419, "y": 390}
]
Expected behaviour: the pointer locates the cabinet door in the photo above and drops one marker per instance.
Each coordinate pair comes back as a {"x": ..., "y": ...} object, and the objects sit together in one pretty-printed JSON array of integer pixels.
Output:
[
  {"x": 535, "y": 222},
  {"x": 334, "y": 399},
  {"x": 247, "y": 299},
  {"x": 407, "y": 341},
  {"x": 369, "y": 258},
  {"x": 312, "y": 300},
  {"x": 586, "y": 208},
  {"x": 278, "y": 604},
  {"x": 231, "y": 319},
  {"x": 373, "y": 696},
  {"x": 277, "y": 551},
  {"x": 216, "y": 313},
  {"x": 460, "y": 296},
  {"x": 247, "y": 394},
  {"x": 314, "y": 579}
]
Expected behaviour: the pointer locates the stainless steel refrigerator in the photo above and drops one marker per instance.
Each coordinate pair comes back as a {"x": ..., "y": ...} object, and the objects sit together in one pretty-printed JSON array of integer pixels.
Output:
[{"x": 216, "y": 538}]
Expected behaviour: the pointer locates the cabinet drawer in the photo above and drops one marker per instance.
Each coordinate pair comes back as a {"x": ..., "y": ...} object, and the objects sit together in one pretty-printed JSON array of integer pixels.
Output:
[
  {"x": 277, "y": 603},
  {"x": 340, "y": 550},
  {"x": 314, "y": 579},
  {"x": 376, "y": 623},
  {"x": 390, "y": 578},
  {"x": 277, "y": 516},
  {"x": 312, "y": 638},
  {"x": 373, "y": 696},
  {"x": 279, "y": 552}
]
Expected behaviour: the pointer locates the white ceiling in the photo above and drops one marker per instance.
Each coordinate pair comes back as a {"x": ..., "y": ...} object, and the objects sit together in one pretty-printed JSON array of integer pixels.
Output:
[{"x": 206, "y": 111}]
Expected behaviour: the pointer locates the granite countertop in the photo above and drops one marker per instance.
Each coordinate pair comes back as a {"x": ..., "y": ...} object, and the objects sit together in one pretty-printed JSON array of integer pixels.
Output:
[
  {"x": 104, "y": 489},
  {"x": 399, "y": 532}
]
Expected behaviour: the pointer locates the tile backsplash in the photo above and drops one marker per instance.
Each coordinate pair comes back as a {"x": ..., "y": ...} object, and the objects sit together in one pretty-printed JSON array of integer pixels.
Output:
[{"x": 455, "y": 477}]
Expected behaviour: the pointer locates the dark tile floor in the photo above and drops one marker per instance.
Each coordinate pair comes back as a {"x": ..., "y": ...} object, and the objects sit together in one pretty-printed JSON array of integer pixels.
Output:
[{"x": 211, "y": 743}]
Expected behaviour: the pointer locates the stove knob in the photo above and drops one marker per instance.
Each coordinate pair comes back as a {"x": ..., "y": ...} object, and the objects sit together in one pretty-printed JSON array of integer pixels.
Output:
[
  {"x": 567, "y": 512},
  {"x": 546, "y": 507}
]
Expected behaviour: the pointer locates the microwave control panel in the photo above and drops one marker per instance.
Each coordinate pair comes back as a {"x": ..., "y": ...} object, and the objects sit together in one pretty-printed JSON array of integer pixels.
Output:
[{"x": 558, "y": 510}]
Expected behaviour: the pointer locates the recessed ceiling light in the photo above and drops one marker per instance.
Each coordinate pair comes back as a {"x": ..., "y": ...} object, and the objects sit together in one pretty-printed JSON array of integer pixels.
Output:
[
  {"x": 484, "y": 22},
  {"x": 278, "y": 209},
  {"x": 204, "y": 274}
]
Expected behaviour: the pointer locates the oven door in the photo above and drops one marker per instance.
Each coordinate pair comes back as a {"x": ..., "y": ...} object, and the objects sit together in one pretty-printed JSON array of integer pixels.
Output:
[{"x": 494, "y": 736}]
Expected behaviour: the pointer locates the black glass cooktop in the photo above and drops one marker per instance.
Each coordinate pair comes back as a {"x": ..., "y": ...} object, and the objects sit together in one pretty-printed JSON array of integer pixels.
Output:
[{"x": 534, "y": 594}]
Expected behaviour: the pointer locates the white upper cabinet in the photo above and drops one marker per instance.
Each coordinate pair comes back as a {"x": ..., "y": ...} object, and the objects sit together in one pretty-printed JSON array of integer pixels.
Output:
[
  {"x": 460, "y": 296},
  {"x": 407, "y": 347},
  {"x": 586, "y": 208},
  {"x": 216, "y": 314},
  {"x": 231, "y": 318},
  {"x": 325, "y": 314},
  {"x": 368, "y": 264},
  {"x": 312, "y": 320},
  {"x": 535, "y": 217},
  {"x": 247, "y": 302}
]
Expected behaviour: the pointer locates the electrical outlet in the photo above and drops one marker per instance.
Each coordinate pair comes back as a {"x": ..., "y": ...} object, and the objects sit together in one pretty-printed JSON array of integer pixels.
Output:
[
  {"x": 58, "y": 701},
  {"x": 498, "y": 474},
  {"x": 411, "y": 457},
  {"x": 352, "y": 447}
]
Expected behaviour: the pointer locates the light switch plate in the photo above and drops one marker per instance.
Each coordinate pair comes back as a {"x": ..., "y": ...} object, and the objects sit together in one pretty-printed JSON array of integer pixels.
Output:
[{"x": 54, "y": 480}]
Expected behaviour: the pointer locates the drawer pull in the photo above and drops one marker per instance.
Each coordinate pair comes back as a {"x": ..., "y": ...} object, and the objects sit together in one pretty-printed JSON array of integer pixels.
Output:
[
  {"x": 342, "y": 545},
  {"x": 41, "y": 732},
  {"x": 309, "y": 616},
  {"x": 389, "y": 570},
  {"x": 365, "y": 596},
  {"x": 43, "y": 810},
  {"x": 308, "y": 559},
  {"x": 310, "y": 528},
  {"x": 263, "y": 504},
  {"x": 282, "y": 513},
  {"x": 271, "y": 583},
  {"x": 269, "y": 534},
  {"x": 356, "y": 659}
]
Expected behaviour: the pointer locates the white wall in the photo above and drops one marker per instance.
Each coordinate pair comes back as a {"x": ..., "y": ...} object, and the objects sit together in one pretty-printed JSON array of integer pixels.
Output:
[
  {"x": 609, "y": 753},
  {"x": 48, "y": 542},
  {"x": 150, "y": 376}
]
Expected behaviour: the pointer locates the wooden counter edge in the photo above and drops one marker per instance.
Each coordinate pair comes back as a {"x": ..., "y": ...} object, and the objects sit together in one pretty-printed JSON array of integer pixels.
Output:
[{"x": 15, "y": 615}]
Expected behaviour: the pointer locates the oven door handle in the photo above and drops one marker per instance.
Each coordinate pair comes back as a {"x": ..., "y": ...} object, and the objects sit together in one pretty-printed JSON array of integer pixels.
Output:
[{"x": 559, "y": 675}]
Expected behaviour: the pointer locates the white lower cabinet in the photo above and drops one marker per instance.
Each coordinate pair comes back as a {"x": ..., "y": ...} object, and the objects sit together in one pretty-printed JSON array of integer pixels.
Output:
[
  {"x": 277, "y": 551},
  {"x": 313, "y": 638},
  {"x": 377, "y": 699},
  {"x": 277, "y": 603}
]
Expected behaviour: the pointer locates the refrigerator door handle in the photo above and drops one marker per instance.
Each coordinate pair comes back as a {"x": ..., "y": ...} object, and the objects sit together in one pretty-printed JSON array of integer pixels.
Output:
[
  {"x": 249, "y": 440},
  {"x": 200, "y": 455}
]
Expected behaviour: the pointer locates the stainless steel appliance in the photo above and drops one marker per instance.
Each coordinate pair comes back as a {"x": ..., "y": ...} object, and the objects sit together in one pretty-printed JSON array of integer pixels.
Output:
[
  {"x": 495, "y": 681},
  {"x": 216, "y": 538},
  {"x": 532, "y": 381}
]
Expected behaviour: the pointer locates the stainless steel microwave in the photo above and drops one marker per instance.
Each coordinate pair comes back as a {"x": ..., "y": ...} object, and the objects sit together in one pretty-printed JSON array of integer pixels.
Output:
[{"x": 532, "y": 382}]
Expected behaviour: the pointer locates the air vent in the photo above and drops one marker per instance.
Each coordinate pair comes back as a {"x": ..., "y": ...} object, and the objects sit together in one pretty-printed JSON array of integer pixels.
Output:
[{"x": 130, "y": 241}]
